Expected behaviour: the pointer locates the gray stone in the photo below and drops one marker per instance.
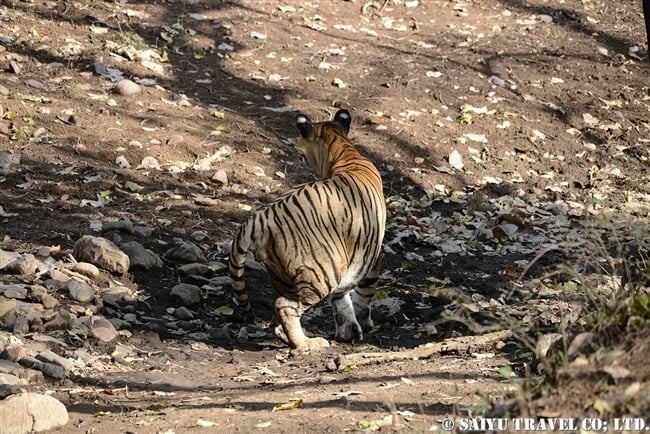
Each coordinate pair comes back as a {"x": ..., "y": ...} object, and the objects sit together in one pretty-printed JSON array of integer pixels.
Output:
[
  {"x": 141, "y": 257},
  {"x": 7, "y": 257},
  {"x": 31, "y": 412},
  {"x": 101, "y": 252},
  {"x": 195, "y": 269},
  {"x": 9, "y": 367},
  {"x": 14, "y": 291},
  {"x": 184, "y": 253},
  {"x": 187, "y": 294},
  {"x": 51, "y": 357},
  {"x": 120, "y": 324},
  {"x": 143, "y": 231},
  {"x": 86, "y": 269},
  {"x": 26, "y": 264},
  {"x": 7, "y": 389},
  {"x": 79, "y": 291},
  {"x": 21, "y": 325},
  {"x": 52, "y": 370},
  {"x": 122, "y": 225},
  {"x": 183, "y": 313}
]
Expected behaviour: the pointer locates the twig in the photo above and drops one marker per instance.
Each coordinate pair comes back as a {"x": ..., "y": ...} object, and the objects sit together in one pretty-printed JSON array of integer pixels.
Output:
[{"x": 465, "y": 344}]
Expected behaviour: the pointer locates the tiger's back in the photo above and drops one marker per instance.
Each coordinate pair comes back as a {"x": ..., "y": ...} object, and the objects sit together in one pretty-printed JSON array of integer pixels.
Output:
[{"x": 321, "y": 239}]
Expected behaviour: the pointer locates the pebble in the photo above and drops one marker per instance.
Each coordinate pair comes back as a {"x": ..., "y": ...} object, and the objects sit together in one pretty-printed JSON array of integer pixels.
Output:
[
  {"x": 184, "y": 253},
  {"x": 102, "y": 253},
  {"x": 52, "y": 370},
  {"x": 51, "y": 357},
  {"x": 127, "y": 87},
  {"x": 79, "y": 291},
  {"x": 220, "y": 176},
  {"x": 121, "y": 225},
  {"x": 141, "y": 257},
  {"x": 26, "y": 264},
  {"x": 86, "y": 268},
  {"x": 102, "y": 329},
  {"x": 143, "y": 231},
  {"x": 7, "y": 389},
  {"x": 31, "y": 412},
  {"x": 7, "y": 257},
  {"x": 175, "y": 139},
  {"x": 7, "y": 306},
  {"x": 187, "y": 294},
  {"x": 195, "y": 269},
  {"x": 183, "y": 313}
]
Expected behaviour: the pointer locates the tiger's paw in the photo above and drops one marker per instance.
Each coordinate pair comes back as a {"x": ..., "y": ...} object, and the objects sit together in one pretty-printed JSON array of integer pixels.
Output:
[{"x": 313, "y": 344}]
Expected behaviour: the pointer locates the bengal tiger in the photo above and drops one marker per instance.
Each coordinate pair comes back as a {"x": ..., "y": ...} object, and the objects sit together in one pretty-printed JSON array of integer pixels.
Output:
[{"x": 323, "y": 238}]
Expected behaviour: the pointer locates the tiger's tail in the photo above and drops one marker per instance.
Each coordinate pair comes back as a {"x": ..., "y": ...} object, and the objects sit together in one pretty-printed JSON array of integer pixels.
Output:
[{"x": 238, "y": 251}]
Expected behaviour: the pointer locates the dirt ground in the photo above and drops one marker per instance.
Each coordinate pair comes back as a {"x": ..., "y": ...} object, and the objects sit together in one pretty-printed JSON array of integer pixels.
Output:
[{"x": 469, "y": 109}]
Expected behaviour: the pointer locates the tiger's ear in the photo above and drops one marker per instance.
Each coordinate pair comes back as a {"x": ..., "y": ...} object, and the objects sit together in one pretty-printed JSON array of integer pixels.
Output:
[
  {"x": 305, "y": 126},
  {"x": 344, "y": 119}
]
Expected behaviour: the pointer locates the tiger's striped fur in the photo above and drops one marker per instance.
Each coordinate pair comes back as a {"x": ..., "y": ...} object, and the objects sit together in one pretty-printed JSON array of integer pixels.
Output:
[{"x": 321, "y": 239}]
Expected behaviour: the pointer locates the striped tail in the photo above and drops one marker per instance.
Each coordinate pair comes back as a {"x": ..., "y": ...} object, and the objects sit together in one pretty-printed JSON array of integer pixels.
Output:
[{"x": 238, "y": 251}]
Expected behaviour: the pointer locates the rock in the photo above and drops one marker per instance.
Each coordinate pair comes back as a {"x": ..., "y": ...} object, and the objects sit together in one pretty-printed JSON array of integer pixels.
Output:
[
  {"x": 13, "y": 353},
  {"x": 8, "y": 389},
  {"x": 184, "y": 253},
  {"x": 199, "y": 236},
  {"x": 183, "y": 313},
  {"x": 9, "y": 367},
  {"x": 143, "y": 231},
  {"x": 9, "y": 163},
  {"x": 175, "y": 139},
  {"x": 51, "y": 357},
  {"x": 187, "y": 294},
  {"x": 21, "y": 325},
  {"x": 52, "y": 370},
  {"x": 49, "y": 301},
  {"x": 102, "y": 329},
  {"x": 122, "y": 225},
  {"x": 220, "y": 176},
  {"x": 7, "y": 257},
  {"x": 31, "y": 412},
  {"x": 8, "y": 381},
  {"x": 43, "y": 251},
  {"x": 141, "y": 257},
  {"x": 7, "y": 306},
  {"x": 26, "y": 264},
  {"x": 58, "y": 276},
  {"x": 16, "y": 291},
  {"x": 195, "y": 269},
  {"x": 101, "y": 252},
  {"x": 35, "y": 84},
  {"x": 60, "y": 321},
  {"x": 120, "y": 292},
  {"x": 127, "y": 87},
  {"x": 79, "y": 291},
  {"x": 86, "y": 269}
]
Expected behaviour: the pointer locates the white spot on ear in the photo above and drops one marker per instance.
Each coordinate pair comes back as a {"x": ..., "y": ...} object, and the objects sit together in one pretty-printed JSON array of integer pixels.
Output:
[
  {"x": 344, "y": 115},
  {"x": 301, "y": 119}
]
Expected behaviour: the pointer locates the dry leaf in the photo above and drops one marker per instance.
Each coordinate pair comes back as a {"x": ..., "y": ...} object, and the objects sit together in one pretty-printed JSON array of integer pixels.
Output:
[{"x": 291, "y": 405}]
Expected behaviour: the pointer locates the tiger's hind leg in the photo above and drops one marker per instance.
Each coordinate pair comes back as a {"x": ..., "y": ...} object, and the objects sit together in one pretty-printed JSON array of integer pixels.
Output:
[
  {"x": 286, "y": 325},
  {"x": 363, "y": 296},
  {"x": 347, "y": 327}
]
